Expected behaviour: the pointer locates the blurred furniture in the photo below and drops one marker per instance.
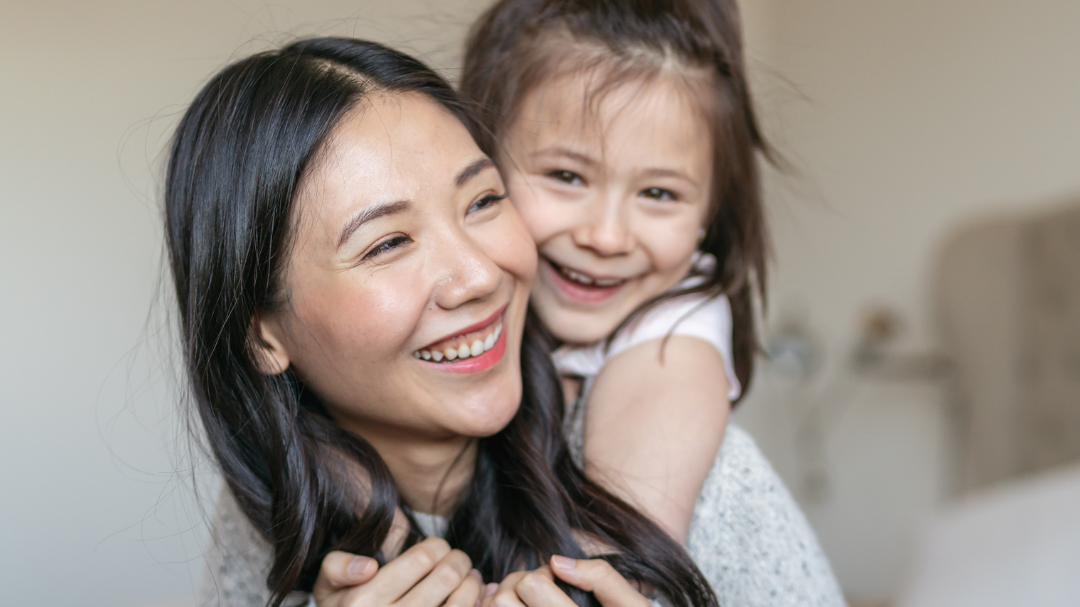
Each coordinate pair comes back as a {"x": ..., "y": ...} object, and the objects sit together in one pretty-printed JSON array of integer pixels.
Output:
[
  {"x": 1009, "y": 310},
  {"x": 1015, "y": 545}
]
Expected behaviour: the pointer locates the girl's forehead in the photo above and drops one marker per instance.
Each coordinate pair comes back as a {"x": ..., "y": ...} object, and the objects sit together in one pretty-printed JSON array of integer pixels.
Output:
[
  {"x": 653, "y": 116},
  {"x": 592, "y": 102}
]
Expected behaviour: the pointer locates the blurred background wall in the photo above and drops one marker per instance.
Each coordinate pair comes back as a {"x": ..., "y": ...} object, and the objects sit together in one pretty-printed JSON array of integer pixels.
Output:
[{"x": 899, "y": 122}]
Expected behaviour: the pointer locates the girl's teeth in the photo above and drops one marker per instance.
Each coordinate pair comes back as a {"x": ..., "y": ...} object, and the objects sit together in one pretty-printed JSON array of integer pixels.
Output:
[
  {"x": 578, "y": 277},
  {"x": 585, "y": 280}
]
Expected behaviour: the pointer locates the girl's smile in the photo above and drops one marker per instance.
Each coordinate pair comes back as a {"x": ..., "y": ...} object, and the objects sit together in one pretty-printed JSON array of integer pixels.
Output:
[{"x": 614, "y": 192}]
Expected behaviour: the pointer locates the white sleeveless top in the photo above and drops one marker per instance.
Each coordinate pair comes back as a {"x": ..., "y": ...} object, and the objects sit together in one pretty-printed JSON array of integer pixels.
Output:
[{"x": 697, "y": 315}]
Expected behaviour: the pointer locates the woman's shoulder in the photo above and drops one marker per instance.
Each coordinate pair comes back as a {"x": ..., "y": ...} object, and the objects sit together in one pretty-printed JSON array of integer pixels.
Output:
[
  {"x": 237, "y": 561},
  {"x": 750, "y": 538}
]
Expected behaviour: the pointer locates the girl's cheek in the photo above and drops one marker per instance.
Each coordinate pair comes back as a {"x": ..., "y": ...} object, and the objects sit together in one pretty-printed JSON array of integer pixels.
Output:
[
  {"x": 672, "y": 249},
  {"x": 512, "y": 247},
  {"x": 529, "y": 203}
]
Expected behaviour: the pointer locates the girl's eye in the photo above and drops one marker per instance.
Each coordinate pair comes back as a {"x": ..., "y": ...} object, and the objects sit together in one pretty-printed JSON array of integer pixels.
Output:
[
  {"x": 567, "y": 177},
  {"x": 659, "y": 194},
  {"x": 486, "y": 201},
  {"x": 387, "y": 246}
]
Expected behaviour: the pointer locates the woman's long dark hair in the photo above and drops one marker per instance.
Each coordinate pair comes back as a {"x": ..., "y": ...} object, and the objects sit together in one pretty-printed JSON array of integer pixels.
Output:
[
  {"x": 237, "y": 161},
  {"x": 518, "y": 45}
]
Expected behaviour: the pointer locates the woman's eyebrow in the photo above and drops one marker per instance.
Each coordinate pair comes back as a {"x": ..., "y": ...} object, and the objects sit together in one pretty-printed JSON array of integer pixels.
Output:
[
  {"x": 473, "y": 170},
  {"x": 370, "y": 213}
]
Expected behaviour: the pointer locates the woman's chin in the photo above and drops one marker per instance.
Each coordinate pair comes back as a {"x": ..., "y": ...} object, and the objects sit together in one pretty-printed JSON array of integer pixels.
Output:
[{"x": 489, "y": 414}]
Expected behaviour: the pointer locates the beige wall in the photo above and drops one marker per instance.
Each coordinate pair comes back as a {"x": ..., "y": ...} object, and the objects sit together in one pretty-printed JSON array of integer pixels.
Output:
[{"x": 902, "y": 120}]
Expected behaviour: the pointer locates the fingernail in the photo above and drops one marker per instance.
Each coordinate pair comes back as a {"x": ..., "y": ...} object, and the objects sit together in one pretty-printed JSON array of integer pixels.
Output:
[
  {"x": 562, "y": 562},
  {"x": 476, "y": 574},
  {"x": 360, "y": 565},
  {"x": 490, "y": 589}
]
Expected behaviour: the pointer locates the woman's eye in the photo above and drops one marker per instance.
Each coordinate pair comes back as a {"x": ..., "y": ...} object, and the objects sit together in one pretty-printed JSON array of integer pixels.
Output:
[
  {"x": 387, "y": 246},
  {"x": 659, "y": 194},
  {"x": 486, "y": 201},
  {"x": 567, "y": 177}
]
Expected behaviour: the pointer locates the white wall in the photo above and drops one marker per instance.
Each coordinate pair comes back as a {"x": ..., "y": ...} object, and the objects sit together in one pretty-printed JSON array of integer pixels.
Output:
[
  {"x": 902, "y": 119},
  {"x": 90, "y": 509}
]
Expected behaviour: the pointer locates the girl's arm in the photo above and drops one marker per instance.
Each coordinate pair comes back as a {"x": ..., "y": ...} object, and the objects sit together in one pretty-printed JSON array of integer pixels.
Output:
[{"x": 654, "y": 422}]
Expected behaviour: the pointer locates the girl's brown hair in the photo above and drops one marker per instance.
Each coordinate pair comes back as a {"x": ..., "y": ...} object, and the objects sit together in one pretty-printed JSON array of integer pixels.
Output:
[{"x": 517, "y": 45}]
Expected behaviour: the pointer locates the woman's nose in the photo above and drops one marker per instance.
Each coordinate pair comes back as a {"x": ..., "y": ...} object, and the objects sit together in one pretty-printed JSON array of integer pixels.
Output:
[
  {"x": 607, "y": 234},
  {"x": 468, "y": 275}
]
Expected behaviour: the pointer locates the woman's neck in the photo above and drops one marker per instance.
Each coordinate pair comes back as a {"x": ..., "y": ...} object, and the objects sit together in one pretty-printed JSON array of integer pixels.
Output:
[{"x": 430, "y": 474}]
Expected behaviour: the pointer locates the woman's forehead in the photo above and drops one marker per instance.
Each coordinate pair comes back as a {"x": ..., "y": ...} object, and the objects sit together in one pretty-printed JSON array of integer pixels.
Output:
[{"x": 390, "y": 146}]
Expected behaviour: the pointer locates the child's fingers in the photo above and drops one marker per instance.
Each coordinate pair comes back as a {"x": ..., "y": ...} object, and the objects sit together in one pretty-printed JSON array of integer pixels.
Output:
[
  {"x": 503, "y": 593},
  {"x": 395, "y": 578},
  {"x": 468, "y": 593},
  {"x": 342, "y": 570},
  {"x": 538, "y": 589},
  {"x": 444, "y": 578},
  {"x": 600, "y": 578}
]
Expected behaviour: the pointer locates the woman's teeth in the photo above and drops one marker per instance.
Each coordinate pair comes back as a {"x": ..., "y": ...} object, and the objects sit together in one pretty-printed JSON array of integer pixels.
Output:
[{"x": 466, "y": 350}]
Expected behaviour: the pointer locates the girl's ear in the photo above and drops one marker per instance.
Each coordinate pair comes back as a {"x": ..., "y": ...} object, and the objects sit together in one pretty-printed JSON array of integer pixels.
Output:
[{"x": 270, "y": 355}]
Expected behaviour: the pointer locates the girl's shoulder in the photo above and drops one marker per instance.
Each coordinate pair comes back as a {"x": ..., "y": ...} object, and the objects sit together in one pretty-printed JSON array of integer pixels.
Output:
[{"x": 706, "y": 317}]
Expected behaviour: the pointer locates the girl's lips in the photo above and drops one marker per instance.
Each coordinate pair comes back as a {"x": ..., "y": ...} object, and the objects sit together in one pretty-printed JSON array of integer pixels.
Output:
[
  {"x": 575, "y": 292},
  {"x": 475, "y": 364}
]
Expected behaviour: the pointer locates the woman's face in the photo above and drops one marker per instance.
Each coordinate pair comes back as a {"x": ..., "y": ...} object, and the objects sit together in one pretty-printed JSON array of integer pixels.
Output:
[{"x": 408, "y": 279}]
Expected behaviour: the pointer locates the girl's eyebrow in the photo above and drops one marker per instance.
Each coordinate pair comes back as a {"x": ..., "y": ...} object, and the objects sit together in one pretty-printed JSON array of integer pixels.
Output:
[
  {"x": 659, "y": 172},
  {"x": 567, "y": 152},
  {"x": 371, "y": 213}
]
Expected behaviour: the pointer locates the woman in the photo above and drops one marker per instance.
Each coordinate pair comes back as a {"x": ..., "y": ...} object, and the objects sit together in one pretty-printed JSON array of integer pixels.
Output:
[{"x": 328, "y": 217}]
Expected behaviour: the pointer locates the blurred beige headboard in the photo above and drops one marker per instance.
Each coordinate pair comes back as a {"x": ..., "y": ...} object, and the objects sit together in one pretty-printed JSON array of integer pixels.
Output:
[{"x": 1008, "y": 295}]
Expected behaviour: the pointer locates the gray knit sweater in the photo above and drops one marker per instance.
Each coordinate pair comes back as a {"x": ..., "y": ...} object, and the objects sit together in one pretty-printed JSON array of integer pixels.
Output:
[{"x": 747, "y": 536}]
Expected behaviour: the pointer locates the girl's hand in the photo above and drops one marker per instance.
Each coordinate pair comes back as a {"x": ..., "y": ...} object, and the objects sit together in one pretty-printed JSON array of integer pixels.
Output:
[
  {"x": 537, "y": 588},
  {"x": 429, "y": 574}
]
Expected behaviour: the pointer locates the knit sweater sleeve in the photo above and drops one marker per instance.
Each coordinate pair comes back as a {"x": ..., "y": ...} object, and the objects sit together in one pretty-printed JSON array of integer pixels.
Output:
[{"x": 751, "y": 540}]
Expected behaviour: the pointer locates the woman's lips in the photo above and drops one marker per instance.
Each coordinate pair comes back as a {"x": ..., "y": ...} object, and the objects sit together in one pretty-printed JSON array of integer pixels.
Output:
[
  {"x": 477, "y": 348},
  {"x": 579, "y": 287},
  {"x": 491, "y": 351}
]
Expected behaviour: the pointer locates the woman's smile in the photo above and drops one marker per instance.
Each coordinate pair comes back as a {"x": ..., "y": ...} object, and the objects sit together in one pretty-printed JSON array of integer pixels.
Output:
[{"x": 475, "y": 348}]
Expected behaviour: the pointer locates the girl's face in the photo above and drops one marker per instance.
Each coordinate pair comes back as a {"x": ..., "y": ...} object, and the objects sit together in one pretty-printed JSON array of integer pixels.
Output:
[
  {"x": 408, "y": 279},
  {"x": 614, "y": 194}
]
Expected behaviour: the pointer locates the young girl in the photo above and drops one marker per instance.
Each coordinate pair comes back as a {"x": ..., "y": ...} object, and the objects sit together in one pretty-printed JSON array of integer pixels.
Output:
[{"x": 626, "y": 135}]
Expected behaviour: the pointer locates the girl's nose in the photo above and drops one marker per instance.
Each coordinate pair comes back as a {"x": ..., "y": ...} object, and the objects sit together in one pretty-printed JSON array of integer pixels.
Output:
[
  {"x": 467, "y": 275},
  {"x": 607, "y": 235}
]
